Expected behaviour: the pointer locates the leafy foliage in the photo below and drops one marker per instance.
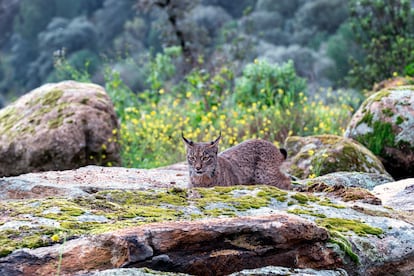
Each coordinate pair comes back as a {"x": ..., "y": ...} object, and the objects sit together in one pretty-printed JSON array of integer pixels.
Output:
[
  {"x": 34, "y": 16},
  {"x": 339, "y": 48},
  {"x": 269, "y": 84},
  {"x": 384, "y": 29}
]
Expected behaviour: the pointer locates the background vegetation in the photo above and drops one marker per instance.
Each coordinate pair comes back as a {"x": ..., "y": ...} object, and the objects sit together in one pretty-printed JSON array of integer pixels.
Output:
[{"x": 250, "y": 68}]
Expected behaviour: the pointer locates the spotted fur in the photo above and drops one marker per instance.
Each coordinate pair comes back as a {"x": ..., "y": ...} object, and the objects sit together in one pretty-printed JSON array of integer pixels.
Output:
[{"x": 251, "y": 162}]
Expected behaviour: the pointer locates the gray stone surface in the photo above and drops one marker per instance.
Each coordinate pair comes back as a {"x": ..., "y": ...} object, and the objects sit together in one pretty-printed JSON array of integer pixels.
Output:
[{"x": 93, "y": 197}]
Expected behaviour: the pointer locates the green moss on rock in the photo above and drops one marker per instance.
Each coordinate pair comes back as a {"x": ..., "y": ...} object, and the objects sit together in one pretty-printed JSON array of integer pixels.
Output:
[
  {"x": 301, "y": 198},
  {"x": 379, "y": 95},
  {"x": 323, "y": 154},
  {"x": 388, "y": 112},
  {"x": 367, "y": 119},
  {"x": 8, "y": 118},
  {"x": 49, "y": 98},
  {"x": 109, "y": 210},
  {"x": 337, "y": 226},
  {"x": 306, "y": 212},
  {"x": 381, "y": 136},
  {"x": 344, "y": 225},
  {"x": 244, "y": 202},
  {"x": 55, "y": 123},
  {"x": 120, "y": 209},
  {"x": 399, "y": 120},
  {"x": 344, "y": 244}
]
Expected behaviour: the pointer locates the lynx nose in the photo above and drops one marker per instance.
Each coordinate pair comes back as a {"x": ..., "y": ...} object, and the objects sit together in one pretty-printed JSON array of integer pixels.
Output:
[{"x": 198, "y": 167}]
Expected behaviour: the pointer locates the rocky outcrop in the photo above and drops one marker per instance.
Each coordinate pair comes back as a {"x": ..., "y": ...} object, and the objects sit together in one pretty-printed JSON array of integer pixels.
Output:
[
  {"x": 384, "y": 124},
  {"x": 90, "y": 179},
  {"x": 350, "y": 179},
  {"x": 282, "y": 271},
  {"x": 107, "y": 218},
  {"x": 56, "y": 127},
  {"x": 264, "y": 271},
  {"x": 398, "y": 195},
  {"x": 198, "y": 247},
  {"x": 313, "y": 156}
]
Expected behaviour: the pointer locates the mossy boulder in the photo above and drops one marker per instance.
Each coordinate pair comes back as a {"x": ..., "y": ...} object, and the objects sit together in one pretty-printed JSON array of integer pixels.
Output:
[
  {"x": 384, "y": 124},
  {"x": 314, "y": 156},
  {"x": 168, "y": 227},
  {"x": 58, "y": 126}
]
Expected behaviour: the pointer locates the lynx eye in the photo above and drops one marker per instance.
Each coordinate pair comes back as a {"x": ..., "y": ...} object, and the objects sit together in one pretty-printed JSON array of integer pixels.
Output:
[
  {"x": 206, "y": 158},
  {"x": 191, "y": 158}
]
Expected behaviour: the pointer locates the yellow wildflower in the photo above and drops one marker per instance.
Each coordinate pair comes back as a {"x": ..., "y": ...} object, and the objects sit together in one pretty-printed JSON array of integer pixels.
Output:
[
  {"x": 55, "y": 238},
  {"x": 135, "y": 121}
]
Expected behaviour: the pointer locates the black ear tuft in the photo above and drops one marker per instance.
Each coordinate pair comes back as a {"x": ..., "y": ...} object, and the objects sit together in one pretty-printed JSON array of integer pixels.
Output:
[
  {"x": 283, "y": 152},
  {"x": 215, "y": 142},
  {"x": 188, "y": 142}
]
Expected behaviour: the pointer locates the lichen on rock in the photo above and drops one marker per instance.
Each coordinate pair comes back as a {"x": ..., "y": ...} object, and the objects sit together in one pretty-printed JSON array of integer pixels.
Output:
[
  {"x": 54, "y": 128},
  {"x": 115, "y": 218},
  {"x": 314, "y": 156},
  {"x": 384, "y": 124}
]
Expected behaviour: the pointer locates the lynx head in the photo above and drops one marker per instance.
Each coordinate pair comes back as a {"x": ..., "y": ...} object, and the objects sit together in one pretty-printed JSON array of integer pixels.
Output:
[{"x": 202, "y": 157}]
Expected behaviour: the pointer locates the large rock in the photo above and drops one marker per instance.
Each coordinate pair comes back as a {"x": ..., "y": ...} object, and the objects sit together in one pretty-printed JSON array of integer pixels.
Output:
[
  {"x": 384, "y": 124},
  {"x": 314, "y": 156},
  {"x": 205, "y": 247},
  {"x": 284, "y": 271},
  {"x": 119, "y": 217},
  {"x": 90, "y": 179},
  {"x": 58, "y": 126},
  {"x": 264, "y": 271},
  {"x": 398, "y": 195},
  {"x": 366, "y": 181}
]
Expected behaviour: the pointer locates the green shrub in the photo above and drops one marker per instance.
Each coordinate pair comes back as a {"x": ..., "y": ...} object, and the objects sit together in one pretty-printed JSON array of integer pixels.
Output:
[
  {"x": 269, "y": 84},
  {"x": 384, "y": 29}
]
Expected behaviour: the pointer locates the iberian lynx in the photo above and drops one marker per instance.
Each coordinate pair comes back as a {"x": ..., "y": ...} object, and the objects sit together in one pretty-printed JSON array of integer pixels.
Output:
[{"x": 251, "y": 162}]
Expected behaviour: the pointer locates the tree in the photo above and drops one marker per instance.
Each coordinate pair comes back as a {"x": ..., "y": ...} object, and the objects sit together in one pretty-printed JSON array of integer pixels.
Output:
[
  {"x": 33, "y": 17},
  {"x": 384, "y": 30},
  {"x": 175, "y": 11}
]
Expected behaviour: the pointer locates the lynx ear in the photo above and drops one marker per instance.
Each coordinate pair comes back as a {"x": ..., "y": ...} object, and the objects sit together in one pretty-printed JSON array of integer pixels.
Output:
[
  {"x": 283, "y": 152},
  {"x": 186, "y": 141},
  {"x": 215, "y": 142}
]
